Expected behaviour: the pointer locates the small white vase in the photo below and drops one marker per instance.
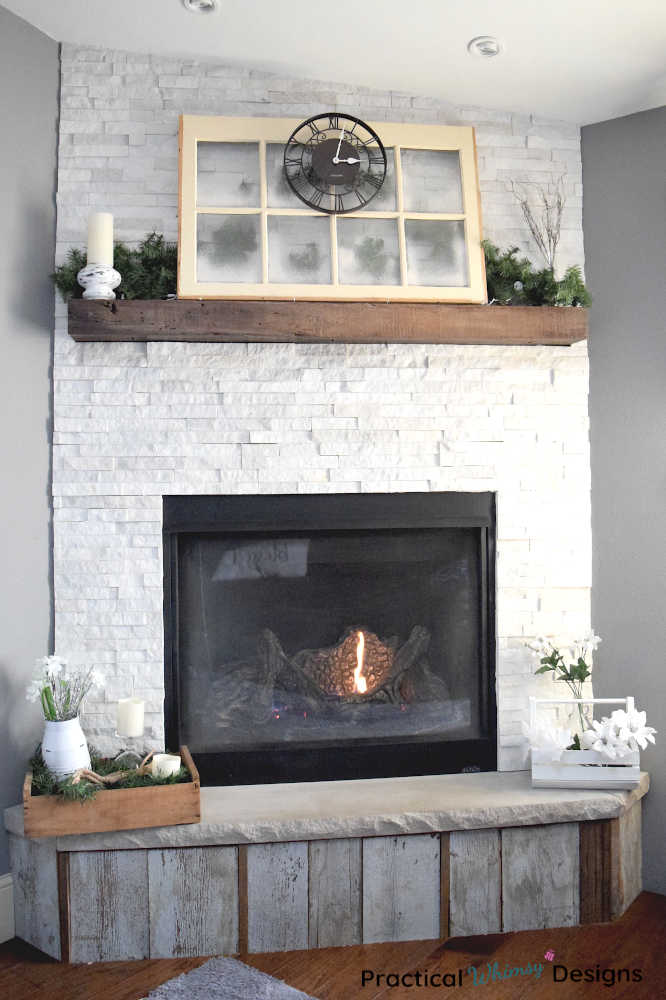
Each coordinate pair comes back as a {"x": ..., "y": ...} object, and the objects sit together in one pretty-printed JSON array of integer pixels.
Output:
[{"x": 64, "y": 747}]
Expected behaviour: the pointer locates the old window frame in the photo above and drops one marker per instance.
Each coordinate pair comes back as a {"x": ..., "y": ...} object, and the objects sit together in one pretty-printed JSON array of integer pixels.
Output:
[{"x": 395, "y": 136}]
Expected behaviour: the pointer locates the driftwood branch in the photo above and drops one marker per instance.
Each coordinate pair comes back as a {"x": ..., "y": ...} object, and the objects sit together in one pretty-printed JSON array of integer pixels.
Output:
[{"x": 114, "y": 778}]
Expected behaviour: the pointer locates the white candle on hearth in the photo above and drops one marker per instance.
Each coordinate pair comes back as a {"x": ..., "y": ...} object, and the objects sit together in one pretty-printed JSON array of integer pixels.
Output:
[
  {"x": 165, "y": 764},
  {"x": 100, "y": 238},
  {"x": 129, "y": 717}
]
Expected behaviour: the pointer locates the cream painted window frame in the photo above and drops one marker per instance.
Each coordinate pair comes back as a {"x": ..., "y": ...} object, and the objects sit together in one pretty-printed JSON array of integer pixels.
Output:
[{"x": 394, "y": 135}]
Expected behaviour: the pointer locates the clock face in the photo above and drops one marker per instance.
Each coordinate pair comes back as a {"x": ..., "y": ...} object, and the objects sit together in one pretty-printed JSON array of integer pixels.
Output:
[{"x": 335, "y": 163}]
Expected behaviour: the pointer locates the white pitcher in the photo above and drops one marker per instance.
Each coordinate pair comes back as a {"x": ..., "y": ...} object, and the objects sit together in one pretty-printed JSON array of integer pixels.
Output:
[{"x": 64, "y": 747}]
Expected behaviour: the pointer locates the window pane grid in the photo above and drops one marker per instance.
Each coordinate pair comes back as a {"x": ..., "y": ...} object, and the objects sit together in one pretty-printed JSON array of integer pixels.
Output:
[{"x": 428, "y": 257}]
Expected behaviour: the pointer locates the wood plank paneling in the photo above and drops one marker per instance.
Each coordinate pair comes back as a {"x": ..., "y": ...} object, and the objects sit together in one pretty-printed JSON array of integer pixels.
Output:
[
  {"x": 475, "y": 883},
  {"x": 596, "y": 870},
  {"x": 277, "y": 896},
  {"x": 228, "y": 321},
  {"x": 628, "y": 859},
  {"x": 401, "y": 877},
  {"x": 193, "y": 894},
  {"x": 444, "y": 884},
  {"x": 109, "y": 918},
  {"x": 36, "y": 906},
  {"x": 540, "y": 876},
  {"x": 334, "y": 893}
]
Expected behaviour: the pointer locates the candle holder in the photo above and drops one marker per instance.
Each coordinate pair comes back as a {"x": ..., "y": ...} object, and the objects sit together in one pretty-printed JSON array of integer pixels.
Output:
[{"x": 99, "y": 281}]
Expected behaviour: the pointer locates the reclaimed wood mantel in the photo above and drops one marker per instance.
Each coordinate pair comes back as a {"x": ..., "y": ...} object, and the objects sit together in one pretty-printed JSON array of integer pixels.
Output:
[{"x": 259, "y": 321}]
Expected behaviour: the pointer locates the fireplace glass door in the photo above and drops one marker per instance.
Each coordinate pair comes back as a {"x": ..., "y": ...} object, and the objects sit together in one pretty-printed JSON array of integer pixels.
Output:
[{"x": 327, "y": 650}]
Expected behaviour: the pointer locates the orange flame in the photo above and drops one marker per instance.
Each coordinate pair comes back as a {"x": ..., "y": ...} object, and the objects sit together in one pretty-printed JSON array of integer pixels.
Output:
[{"x": 360, "y": 683}]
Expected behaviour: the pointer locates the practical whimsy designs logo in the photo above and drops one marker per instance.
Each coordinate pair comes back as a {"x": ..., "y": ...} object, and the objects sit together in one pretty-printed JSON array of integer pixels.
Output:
[{"x": 493, "y": 974}]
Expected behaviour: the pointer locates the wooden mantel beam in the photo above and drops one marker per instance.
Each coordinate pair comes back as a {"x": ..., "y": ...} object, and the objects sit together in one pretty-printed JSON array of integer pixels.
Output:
[{"x": 257, "y": 321}]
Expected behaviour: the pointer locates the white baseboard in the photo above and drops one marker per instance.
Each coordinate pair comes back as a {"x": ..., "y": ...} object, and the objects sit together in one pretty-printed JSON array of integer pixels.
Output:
[{"x": 6, "y": 908}]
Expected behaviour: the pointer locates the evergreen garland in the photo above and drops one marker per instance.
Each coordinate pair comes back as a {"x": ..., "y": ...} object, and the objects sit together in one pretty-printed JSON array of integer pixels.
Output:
[
  {"x": 512, "y": 280},
  {"x": 46, "y": 783},
  {"x": 149, "y": 272}
]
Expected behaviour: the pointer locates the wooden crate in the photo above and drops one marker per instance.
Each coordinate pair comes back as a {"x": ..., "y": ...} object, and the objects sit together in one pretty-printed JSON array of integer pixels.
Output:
[
  {"x": 114, "y": 809},
  {"x": 583, "y": 768}
]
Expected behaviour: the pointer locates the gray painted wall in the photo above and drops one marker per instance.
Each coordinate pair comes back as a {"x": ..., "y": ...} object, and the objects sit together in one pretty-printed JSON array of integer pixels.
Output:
[
  {"x": 28, "y": 121},
  {"x": 624, "y": 222}
]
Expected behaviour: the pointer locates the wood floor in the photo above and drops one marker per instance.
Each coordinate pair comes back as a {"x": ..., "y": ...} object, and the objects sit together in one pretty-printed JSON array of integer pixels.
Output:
[{"x": 636, "y": 942}]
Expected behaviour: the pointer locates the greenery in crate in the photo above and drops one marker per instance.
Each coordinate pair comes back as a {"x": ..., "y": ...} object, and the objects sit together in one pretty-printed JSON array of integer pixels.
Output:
[
  {"x": 45, "y": 783},
  {"x": 513, "y": 281},
  {"x": 148, "y": 272}
]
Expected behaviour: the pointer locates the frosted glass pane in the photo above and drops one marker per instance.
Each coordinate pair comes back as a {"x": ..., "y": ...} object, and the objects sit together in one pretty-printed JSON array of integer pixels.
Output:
[
  {"x": 368, "y": 252},
  {"x": 280, "y": 195},
  {"x": 436, "y": 253},
  {"x": 299, "y": 249},
  {"x": 228, "y": 174},
  {"x": 431, "y": 180},
  {"x": 385, "y": 199},
  {"x": 228, "y": 248}
]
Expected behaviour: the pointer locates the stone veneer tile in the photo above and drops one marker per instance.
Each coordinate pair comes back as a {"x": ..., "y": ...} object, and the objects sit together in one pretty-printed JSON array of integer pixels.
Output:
[{"x": 133, "y": 422}]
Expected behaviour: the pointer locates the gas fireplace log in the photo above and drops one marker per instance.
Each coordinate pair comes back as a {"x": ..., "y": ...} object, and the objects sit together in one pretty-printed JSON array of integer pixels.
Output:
[
  {"x": 291, "y": 675},
  {"x": 278, "y": 665}
]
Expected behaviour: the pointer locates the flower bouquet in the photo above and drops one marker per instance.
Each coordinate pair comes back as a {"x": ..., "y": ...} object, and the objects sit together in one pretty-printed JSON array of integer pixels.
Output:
[
  {"x": 587, "y": 753},
  {"x": 61, "y": 691}
]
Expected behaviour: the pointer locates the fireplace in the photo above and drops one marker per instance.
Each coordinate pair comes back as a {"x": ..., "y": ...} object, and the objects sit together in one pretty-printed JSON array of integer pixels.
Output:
[{"x": 315, "y": 637}]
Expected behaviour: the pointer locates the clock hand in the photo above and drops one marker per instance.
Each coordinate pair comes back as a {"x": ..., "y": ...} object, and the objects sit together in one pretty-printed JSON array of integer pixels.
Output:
[
  {"x": 337, "y": 152},
  {"x": 350, "y": 159}
]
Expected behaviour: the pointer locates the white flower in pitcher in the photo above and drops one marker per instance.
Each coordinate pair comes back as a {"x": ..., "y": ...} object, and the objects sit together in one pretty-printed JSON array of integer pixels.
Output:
[
  {"x": 539, "y": 645},
  {"x": 51, "y": 664},
  {"x": 631, "y": 728},
  {"x": 33, "y": 691}
]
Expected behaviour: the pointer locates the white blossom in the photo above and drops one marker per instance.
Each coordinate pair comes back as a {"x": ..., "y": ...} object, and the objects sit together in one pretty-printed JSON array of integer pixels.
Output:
[
  {"x": 33, "y": 691},
  {"x": 604, "y": 738},
  {"x": 61, "y": 690},
  {"x": 545, "y": 737},
  {"x": 631, "y": 728}
]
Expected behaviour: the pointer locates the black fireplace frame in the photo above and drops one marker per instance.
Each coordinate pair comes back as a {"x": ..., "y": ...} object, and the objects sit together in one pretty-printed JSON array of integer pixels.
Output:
[{"x": 341, "y": 511}]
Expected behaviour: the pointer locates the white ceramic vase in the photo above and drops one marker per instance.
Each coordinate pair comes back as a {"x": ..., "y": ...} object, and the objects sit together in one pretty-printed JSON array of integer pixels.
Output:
[{"x": 64, "y": 747}]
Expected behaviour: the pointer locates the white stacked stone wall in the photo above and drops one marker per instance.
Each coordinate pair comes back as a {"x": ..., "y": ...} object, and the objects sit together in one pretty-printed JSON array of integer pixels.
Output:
[{"x": 136, "y": 421}]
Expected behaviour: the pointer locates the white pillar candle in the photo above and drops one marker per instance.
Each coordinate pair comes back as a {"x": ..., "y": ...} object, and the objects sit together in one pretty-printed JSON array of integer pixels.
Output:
[
  {"x": 100, "y": 238},
  {"x": 130, "y": 717},
  {"x": 165, "y": 764}
]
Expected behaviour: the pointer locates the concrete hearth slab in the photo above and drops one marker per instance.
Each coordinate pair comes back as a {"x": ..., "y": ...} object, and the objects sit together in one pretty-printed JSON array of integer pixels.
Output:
[{"x": 248, "y": 814}]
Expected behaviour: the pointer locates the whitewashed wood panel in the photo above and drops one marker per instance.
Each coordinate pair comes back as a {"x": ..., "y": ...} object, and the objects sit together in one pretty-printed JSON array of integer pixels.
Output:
[
  {"x": 193, "y": 893},
  {"x": 277, "y": 896},
  {"x": 334, "y": 893},
  {"x": 475, "y": 896},
  {"x": 36, "y": 911},
  {"x": 630, "y": 882},
  {"x": 109, "y": 916},
  {"x": 401, "y": 888},
  {"x": 540, "y": 876}
]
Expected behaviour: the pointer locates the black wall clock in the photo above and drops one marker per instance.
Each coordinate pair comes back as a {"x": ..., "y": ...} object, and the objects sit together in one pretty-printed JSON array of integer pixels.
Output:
[{"x": 335, "y": 163}]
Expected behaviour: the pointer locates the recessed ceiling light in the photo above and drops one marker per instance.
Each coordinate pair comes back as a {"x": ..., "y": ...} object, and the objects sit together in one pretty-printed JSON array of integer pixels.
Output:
[
  {"x": 200, "y": 6},
  {"x": 484, "y": 45}
]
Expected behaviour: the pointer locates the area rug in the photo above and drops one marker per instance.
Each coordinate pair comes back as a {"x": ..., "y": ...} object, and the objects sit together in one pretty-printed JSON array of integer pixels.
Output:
[{"x": 226, "y": 979}]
